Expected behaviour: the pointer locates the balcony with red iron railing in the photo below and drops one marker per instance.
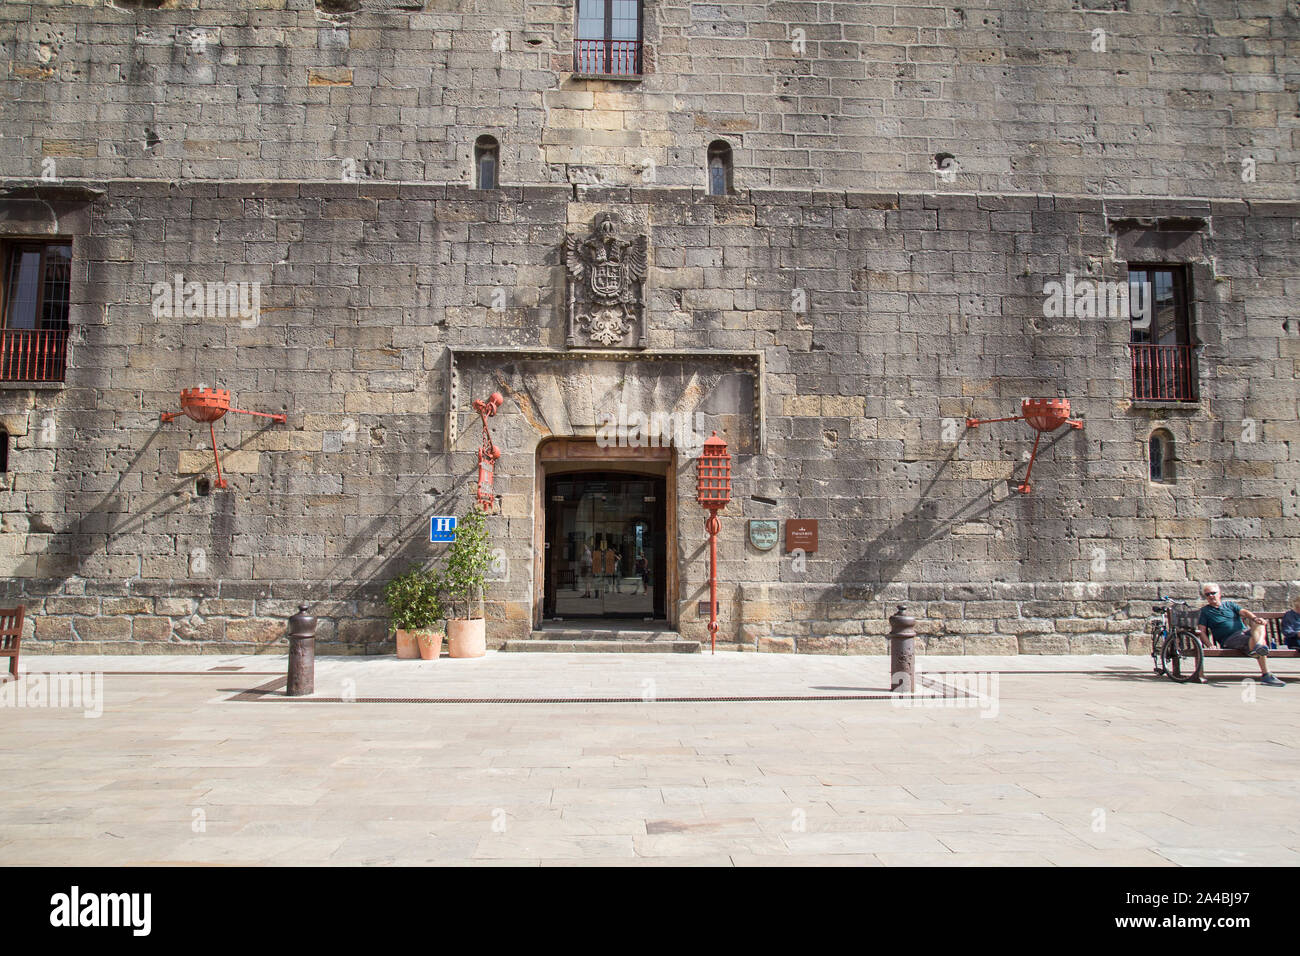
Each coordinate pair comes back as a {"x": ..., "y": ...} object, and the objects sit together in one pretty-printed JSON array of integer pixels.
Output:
[
  {"x": 607, "y": 57},
  {"x": 33, "y": 355},
  {"x": 1162, "y": 373}
]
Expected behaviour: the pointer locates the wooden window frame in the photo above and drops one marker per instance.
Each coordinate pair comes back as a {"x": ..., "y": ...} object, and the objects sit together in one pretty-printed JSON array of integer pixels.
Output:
[
  {"x": 1182, "y": 374},
  {"x": 8, "y": 250},
  {"x": 38, "y": 354},
  {"x": 607, "y": 38}
]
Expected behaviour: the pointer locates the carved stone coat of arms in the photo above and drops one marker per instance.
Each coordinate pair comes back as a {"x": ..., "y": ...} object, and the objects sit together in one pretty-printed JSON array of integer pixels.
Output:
[{"x": 605, "y": 285}]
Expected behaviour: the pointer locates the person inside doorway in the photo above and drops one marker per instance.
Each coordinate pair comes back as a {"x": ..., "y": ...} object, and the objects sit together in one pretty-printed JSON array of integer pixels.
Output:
[
  {"x": 643, "y": 572},
  {"x": 584, "y": 568},
  {"x": 613, "y": 562}
]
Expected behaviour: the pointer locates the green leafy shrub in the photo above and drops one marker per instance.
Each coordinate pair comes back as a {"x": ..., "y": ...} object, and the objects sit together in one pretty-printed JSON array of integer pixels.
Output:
[
  {"x": 467, "y": 563},
  {"x": 415, "y": 599}
]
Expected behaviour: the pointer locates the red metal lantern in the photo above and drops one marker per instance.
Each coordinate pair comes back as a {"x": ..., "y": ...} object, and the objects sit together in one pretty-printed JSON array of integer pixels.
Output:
[
  {"x": 1047, "y": 414},
  {"x": 208, "y": 405},
  {"x": 713, "y": 481},
  {"x": 1043, "y": 415},
  {"x": 713, "y": 491},
  {"x": 202, "y": 404},
  {"x": 488, "y": 453}
]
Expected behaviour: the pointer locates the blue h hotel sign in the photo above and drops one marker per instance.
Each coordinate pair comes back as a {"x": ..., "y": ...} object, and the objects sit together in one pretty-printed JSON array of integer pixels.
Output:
[{"x": 442, "y": 528}]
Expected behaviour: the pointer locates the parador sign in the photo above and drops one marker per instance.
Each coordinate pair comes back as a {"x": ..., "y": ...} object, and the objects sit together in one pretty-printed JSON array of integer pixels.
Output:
[{"x": 801, "y": 535}]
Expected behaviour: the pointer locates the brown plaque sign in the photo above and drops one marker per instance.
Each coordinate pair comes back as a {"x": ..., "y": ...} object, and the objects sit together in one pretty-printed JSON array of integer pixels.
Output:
[{"x": 801, "y": 533}]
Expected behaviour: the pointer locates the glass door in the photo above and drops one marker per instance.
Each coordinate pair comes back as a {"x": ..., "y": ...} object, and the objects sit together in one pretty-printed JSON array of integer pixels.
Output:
[{"x": 605, "y": 553}]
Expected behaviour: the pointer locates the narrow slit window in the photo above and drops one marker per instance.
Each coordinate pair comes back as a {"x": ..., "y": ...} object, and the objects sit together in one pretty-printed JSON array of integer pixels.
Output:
[
  {"x": 487, "y": 163},
  {"x": 719, "y": 168},
  {"x": 1160, "y": 454}
]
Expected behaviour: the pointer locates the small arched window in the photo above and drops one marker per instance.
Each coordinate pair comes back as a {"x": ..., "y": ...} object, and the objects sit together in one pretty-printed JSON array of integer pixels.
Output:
[
  {"x": 719, "y": 168},
  {"x": 4, "y": 451},
  {"x": 487, "y": 162},
  {"x": 1160, "y": 456}
]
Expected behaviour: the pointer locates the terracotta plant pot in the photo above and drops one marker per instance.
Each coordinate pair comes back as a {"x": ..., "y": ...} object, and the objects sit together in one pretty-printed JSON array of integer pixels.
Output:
[
  {"x": 430, "y": 643},
  {"x": 467, "y": 638},
  {"x": 407, "y": 646}
]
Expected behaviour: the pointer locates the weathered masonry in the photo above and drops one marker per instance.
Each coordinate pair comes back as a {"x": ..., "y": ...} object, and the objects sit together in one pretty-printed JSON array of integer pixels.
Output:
[{"x": 830, "y": 233}]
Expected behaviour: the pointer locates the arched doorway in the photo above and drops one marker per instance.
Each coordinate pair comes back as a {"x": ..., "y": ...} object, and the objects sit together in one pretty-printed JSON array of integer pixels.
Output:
[{"x": 605, "y": 524}]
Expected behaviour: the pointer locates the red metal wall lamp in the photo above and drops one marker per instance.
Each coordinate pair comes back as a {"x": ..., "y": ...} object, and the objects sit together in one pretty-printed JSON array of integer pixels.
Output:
[
  {"x": 488, "y": 453},
  {"x": 208, "y": 405},
  {"x": 1043, "y": 415}
]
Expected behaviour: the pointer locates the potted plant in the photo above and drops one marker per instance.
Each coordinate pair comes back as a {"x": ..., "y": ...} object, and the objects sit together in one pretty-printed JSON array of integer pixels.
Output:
[
  {"x": 415, "y": 602},
  {"x": 463, "y": 576},
  {"x": 429, "y": 640}
]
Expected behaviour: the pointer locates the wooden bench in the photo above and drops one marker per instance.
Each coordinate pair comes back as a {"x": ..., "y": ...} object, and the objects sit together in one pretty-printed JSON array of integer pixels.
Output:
[
  {"x": 11, "y": 635},
  {"x": 1277, "y": 649}
]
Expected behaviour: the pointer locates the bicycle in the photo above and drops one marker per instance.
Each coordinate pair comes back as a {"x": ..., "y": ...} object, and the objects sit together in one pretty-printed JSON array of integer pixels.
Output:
[{"x": 1176, "y": 650}]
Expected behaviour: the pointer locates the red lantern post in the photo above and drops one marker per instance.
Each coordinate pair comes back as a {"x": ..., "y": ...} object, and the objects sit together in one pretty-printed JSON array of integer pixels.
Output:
[{"x": 713, "y": 491}]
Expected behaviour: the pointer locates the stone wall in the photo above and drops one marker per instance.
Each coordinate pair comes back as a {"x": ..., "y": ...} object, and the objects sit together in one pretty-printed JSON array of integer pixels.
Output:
[
  {"x": 320, "y": 152},
  {"x": 920, "y": 309},
  {"x": 1098, "y": 97}
]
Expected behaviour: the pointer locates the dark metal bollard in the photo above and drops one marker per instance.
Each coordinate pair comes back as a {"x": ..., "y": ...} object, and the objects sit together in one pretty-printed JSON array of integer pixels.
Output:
[
  {"x": 902, "y": 652},
  {"x": 302, "y": 653}
]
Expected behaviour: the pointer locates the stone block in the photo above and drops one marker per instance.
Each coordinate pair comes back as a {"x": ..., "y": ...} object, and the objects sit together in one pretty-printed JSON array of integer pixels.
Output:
[
  {"x": 232, "y": 462},
  {"x": 94, "y": 629},
  {"x": 151, "y": 629},
  {"x": 256, "y": 630}
]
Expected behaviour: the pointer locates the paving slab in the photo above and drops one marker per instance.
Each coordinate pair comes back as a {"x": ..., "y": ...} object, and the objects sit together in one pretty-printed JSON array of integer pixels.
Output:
[{"x": 584, "y": 759}]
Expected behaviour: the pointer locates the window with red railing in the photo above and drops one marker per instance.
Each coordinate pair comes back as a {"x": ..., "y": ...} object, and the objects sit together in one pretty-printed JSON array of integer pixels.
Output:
[
  {"x": 1160, "y": 334},
  {"x": 608, "y": 41},
  {"x": 34, "y": 295}
]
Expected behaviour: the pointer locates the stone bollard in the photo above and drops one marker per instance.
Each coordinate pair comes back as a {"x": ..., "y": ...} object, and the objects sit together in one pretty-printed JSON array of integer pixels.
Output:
[
  {"x": 902, "y": 652},
  {"x": 302, "y": 653}
]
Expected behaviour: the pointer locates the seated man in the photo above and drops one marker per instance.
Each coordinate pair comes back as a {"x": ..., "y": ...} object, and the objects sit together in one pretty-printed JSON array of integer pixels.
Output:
[
  {"x": 1223, "y": 619},
  {"x": 1291, "y": 625}
]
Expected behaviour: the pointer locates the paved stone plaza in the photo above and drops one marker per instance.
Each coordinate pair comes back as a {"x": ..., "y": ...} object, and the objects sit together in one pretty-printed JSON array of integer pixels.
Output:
[{"x": 1054, "y": 761}]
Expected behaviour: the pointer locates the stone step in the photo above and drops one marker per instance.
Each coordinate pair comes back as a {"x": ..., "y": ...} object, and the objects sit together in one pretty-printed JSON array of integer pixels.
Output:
[
  {"x": 590, "y": 646},
  {"x": 644, "y": 634}
]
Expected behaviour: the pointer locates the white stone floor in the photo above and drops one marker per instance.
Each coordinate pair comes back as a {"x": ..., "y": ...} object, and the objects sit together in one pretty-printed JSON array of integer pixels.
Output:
[{"x": 1064, "y": 761}]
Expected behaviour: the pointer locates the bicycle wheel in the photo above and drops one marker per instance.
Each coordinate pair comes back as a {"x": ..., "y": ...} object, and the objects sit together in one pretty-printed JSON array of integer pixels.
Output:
[
  {"x": 1157, "y": 647},
  {"x": 1181, "y": 656}
]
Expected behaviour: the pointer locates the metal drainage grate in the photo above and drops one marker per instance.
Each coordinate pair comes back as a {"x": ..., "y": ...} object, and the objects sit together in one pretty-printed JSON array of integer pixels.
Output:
[
  {"x": 264, "y": 696},
  {"x": 210, "y": 672}
]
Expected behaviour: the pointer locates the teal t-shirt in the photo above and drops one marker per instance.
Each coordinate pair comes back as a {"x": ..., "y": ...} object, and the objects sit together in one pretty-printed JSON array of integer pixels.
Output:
[{"x": 1222, "y": 621}]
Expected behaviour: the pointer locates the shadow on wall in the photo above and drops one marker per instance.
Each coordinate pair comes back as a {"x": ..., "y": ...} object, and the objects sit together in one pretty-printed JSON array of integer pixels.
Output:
[
  {"x": 355, "y": 576},
  {"x": 406, "y": 545},
  {"x": 884, "y": 557},
  {"x": 96, "y": 527}
]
